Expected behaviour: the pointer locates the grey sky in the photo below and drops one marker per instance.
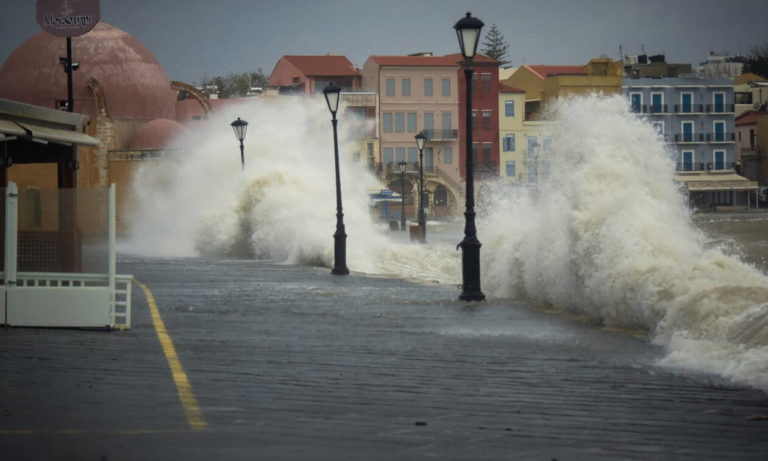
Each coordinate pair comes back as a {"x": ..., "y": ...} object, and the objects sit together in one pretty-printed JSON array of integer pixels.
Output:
[{"x": 192, "y": 38}]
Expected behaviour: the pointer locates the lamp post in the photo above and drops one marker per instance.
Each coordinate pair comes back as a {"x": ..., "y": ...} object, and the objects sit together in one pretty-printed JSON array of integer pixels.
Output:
[
  {"x": 468, "y": 32},
  {"x": 420, "y": 141},
  {"x": 240, "y": 126},
  {"x": 331, "y": 93},
  {"x": 402, "y": 165}
]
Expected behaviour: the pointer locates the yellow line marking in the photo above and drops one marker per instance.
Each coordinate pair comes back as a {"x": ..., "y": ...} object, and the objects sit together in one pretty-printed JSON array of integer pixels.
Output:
[
  {"x": 89, "y": 432},
  {"x": 184, "y": 389}
]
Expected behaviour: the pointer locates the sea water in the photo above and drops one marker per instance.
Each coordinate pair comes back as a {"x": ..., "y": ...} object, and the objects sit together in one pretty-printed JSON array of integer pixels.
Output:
[{"x": 607, "y": 234}]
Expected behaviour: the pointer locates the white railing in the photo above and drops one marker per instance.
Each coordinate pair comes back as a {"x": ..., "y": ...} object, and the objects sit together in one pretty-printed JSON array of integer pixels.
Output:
[{"x": 120, "y": 309}]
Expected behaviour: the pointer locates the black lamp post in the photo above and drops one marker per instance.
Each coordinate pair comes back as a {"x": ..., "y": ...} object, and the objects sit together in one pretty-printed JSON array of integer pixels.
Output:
[
  {"x": 468, "y": 32},
  {"x": 402, "y": 165},
  {"x": 240, "y": 126},
  {"x": 331, "y": 93},
  {"x": 420, "y": 141}
]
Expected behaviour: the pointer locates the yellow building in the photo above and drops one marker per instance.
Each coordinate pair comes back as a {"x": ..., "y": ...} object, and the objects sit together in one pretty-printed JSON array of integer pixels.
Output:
[
  {"x": 542, "y": 84},
  {"x": 525, "y": 144}
]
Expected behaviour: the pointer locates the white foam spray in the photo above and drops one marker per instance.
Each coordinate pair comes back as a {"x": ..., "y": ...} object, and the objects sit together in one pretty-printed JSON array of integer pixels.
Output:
[{"x": 608, "y": 235}]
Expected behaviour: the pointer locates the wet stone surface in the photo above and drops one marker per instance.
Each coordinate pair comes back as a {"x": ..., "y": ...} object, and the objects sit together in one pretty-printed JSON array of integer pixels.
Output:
[{"x": 293, "y": 363}]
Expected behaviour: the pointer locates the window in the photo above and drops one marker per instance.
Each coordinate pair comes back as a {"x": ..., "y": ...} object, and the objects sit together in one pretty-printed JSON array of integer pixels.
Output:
[
  {"x": 429, "y": 159},
  {"x": 686, "y": 102},
  {"x": 547, "y": 147},
  {"x": 406, "y": 83},
  {"x": 636, "y": 100},
  {"x": 386, "y": 122},
  {"x": 511, "y": 168},
  {"x": 719, "y": 129},
  {"x": 429, "y": 123},
  {"x": 446, "y": 125},
  {"x": 474, "y": 120},
  {"x": 533, "y": 173},
  {"x": 487, "y": 156},
  {"x": 390, "y": 87},
  {"x": 486, "y": 120},
  {"x": 474, "y": 83},
  {"x": 686, "y": 158},
  {"x": 657, "y": 103},
  {"x": 509, "y": 143},
  {"x": 400, "y": 152},
  {"x": 719, "y": 159},
  {"x": 658, "y": 127},
  {"x": 533, "y": 146},
  {"x": 687, "y": 128},
  {"x": 413, "y": 155},
  {"x": 718, "y": 99},
  {"x": 411, "y": 122},
  {"x": 427, "y": 87},
  {"x": 486, "y": 83},
  {"x": 399, "y": 122},
  {"x": 474, "y": 153},
  {"x": 446, "y": 86},
  {"x": 509, "y": 108},
  {"x": 387, "y": 155},
  {"x": 448, "y": 155}
]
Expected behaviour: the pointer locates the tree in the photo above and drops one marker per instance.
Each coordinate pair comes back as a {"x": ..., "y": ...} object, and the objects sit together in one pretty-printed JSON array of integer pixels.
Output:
[
  {"x": 757, "y": 60},
  {"x": 495, "y": 46},
  {"x": 234, "y": 85}
]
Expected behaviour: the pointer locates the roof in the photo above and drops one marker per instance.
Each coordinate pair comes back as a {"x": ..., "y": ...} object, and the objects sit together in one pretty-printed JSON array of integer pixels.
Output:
[
  {"x": 43, "y": 124},
  {"x": 449, "y": 60},
  {"x": 715, "y": 182},
  {"x": 509, "y": 89},
  {"x": 750, "y": 118},
  {"x": 323, "y": 66},
  {"x": 546, "y": 71}
]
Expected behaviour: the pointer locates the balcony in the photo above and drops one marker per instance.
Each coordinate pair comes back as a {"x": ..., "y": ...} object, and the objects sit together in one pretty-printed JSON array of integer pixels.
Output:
[
  {"x": 688, "y": 137},
  {"x": 657, "y": 109},
  {"x": 721, "y": 137},
  {"x": 703, "y": 166},
  {"x": 689, "y": 108},
  {"x": 721, "y": 108},
  {"x": 441, "y": 135}
]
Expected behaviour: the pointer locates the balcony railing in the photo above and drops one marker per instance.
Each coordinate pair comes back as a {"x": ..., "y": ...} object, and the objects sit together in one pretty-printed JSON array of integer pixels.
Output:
[
  {"x": 657, "y": 109},
  {"x": 441, "y": 134},
  {"x": 704, "y": 166},
  {"x": 689, "y": 108},
  {"x": 721, "y": 137},
  {"x": 720, "y": 108},
  {"x": 689, "y": 137}
]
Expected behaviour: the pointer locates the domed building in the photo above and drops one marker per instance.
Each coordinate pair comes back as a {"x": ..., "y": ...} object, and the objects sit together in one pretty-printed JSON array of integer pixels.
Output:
[{"x": 119, "y": 85}]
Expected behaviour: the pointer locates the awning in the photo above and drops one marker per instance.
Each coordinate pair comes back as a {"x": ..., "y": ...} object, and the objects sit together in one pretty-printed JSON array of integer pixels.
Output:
[
  {"x": 697, "y": 182},
  {"x": 41, "y": 133}
]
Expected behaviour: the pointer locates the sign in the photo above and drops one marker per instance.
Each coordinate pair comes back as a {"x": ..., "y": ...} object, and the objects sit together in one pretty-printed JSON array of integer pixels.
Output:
[{"x": 68, "y": 18}]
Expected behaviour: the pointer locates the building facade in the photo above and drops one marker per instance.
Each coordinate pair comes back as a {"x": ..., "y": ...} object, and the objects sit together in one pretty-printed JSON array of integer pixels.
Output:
[
  {"x": 418, "y": 94},
  {"x": 310, "y": 74}
]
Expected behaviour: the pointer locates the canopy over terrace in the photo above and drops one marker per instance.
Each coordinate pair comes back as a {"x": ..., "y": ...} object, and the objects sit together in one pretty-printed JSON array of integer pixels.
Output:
[
  {"x": 717, "y": 188},
  {"x": 33, "y": 134}
]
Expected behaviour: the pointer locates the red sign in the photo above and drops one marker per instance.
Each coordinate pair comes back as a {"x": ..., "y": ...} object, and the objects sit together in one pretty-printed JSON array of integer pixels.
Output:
[{"x": 68, "y": 18}]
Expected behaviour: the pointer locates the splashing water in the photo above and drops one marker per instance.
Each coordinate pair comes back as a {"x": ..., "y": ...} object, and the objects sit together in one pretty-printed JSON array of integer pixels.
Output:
[
  {"x": 282, "y": 206},
  {"x": 608, "y": 235},
  {"x": 611, "y": 237}
]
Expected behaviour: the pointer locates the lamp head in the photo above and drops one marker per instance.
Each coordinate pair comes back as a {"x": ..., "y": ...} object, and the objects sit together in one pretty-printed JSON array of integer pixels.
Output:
[
  {"x": 331, "y": 93},
  {"x": 421, "y": 140},
  {"x": 468, "y": 32},
  {"x": 240, "y": 126},
  {"x": 402, "y": 165}
]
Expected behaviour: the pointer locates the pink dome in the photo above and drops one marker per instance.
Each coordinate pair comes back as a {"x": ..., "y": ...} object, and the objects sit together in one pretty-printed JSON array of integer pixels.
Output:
[
  {"x": 157, "y": 134},
  {"x": 135, "y": 85}
]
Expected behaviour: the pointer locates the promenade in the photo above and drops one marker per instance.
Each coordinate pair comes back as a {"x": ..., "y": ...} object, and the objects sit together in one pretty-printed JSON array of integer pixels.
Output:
[{"x": 236, "y": 360}]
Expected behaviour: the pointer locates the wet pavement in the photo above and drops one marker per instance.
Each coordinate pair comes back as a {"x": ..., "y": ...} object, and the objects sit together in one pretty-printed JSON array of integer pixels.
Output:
[{"x": 288, "y": 362}]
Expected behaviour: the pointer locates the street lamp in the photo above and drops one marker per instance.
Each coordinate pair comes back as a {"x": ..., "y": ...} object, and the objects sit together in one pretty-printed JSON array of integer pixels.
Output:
[
  {"x": 420, "y": 141},
  {"x": 402, "y": 165},
  {"x": 240, "y": 126},
  {"x": 331, "y": 93},
  {"x": 468, "y": 32}
]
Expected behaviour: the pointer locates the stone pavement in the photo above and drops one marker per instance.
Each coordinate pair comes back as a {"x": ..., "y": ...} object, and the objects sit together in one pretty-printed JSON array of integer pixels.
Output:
[{"x": 292, "y": 363}]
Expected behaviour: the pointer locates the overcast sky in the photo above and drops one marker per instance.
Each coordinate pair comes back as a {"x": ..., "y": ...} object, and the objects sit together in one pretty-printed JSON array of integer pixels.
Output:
[{"x": 192, "y": 38}]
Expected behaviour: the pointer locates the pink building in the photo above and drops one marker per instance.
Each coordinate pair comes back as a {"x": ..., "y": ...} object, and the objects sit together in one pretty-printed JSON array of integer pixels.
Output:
[
  {"x": 310, "y": 74},
  {"x": 418, "y": 94}
]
